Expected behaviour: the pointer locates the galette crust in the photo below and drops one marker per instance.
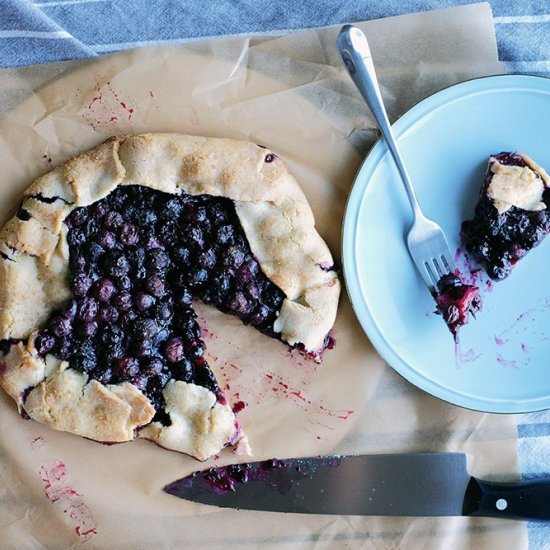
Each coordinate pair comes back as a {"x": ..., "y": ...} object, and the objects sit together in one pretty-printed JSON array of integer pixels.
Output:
[
  {"x": 536, "y": 168},
  {"x": 34, "y": 278},
  {"x": 517, "y": 186},
  {"x": 272, "y": 208},
  {"x": 200, "y": 425},
  {"x": 69, "y": 402}
]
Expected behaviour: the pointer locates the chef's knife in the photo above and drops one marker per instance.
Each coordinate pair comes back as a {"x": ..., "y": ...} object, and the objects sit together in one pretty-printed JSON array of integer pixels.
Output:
[{"x": 418, "y": 484}]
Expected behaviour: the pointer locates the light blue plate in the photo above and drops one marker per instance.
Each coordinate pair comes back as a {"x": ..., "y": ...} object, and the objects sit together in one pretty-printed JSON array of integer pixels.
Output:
[{"x": 504, "y": 361}]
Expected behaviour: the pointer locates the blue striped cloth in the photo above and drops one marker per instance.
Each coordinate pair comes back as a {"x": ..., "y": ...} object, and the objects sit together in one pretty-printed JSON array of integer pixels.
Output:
[{"x": 53, "y": 30}]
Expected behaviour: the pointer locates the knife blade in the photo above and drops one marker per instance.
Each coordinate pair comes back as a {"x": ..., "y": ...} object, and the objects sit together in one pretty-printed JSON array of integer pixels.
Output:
[{"x": 414, "y": 484}]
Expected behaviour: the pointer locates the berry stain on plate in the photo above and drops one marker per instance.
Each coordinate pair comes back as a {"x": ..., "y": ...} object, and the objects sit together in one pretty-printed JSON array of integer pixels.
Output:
[
  {"x": 506, "y": 363},
  {"x": 471, "y": 273}
]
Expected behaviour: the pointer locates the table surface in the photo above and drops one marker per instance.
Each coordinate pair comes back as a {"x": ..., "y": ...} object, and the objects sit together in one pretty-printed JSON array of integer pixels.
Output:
[{"x": 52, "y": 30}]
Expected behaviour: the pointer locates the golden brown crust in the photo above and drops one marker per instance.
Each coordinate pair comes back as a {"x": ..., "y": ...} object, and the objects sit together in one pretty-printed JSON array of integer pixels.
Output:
[
  {"x": 277, "y": 221},
  {"x": 21, "y": 369},
  {"x": 31, "y": 290},
  {"x": 522, "y": 187},
  {"x": 68, "y": 402},
  {"x": 272, "y": 209},
  {"x": 84, "y": 179},
  {"x": 199, "y": 424},
  {"x": 536, "y": 168}
]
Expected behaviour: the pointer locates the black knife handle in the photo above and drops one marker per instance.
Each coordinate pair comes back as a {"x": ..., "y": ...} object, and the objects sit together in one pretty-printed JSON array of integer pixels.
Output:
[{"x": 524, "y": 500}]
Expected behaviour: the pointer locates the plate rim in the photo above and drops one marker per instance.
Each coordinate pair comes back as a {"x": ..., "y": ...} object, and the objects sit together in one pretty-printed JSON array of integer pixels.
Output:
[{"x": 373, "y": 156}]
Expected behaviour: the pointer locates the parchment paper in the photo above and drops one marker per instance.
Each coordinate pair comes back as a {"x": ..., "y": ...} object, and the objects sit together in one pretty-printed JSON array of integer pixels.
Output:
[{"x": 289, "y": 93}]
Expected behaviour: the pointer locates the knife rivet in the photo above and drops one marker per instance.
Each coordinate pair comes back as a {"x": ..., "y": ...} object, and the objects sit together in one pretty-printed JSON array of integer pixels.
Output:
[{"x": 501, "y": 504}]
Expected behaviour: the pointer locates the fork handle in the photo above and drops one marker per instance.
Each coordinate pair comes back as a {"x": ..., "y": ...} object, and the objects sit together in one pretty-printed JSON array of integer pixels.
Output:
[{"x": 355, "y": 53}]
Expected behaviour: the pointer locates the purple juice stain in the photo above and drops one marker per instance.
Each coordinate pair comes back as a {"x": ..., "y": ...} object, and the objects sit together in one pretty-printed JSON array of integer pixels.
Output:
[
  {"x": 519, "y": 320},
  {"x": 470, "y": 355},
  {"x": 222, "y": 480},
  {"x": 506, "y": 363},
  {"x": 23, "y": 397},
  {"x": 470, "y": 273},
  {"x": 278, "y": 475}
]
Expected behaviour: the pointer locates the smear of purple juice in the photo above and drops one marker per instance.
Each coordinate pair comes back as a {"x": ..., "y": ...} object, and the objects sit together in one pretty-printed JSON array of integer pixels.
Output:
[
  {"x": 519, "y": 318},
  {"x": 279, "y": 475},
  {"x": 507, "y": 363},
  {"x": 469, "y": 356},
  {"x": 470, "y": 272}
]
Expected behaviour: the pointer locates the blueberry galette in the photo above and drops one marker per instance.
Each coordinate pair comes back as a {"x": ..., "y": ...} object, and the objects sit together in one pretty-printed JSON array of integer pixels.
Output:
[
  {"x": 512, "y": 215},
  {"x": 456, "y": 301},
  {"x": 99, "y": 267}
]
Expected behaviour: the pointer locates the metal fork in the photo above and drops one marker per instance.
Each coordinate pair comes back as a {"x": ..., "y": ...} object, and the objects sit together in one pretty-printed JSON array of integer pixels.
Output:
[{"x": 426, "y": 241}]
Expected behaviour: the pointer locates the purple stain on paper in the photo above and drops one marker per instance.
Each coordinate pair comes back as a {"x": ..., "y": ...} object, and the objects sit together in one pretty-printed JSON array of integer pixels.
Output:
[
  {"x": 38, "y": 443},
  {"x": 108, "y": 110},
  {"x": 276, "y": 386},
  {"x": 54, "y": 475}
]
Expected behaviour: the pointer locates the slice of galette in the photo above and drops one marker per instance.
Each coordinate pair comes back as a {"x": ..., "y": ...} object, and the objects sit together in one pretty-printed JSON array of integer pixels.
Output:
[
  {"x": 512, "y": 215},
  {"x": 99, "y": 267}
]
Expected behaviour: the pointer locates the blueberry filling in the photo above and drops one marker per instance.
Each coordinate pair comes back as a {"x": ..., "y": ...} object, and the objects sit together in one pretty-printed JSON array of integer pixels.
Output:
[
  {"x": 137, "y": 259},
  {"x": 5, "y": 345},
  {"x": 498, "y": 241},
  {"x": 456, "y": 301}
]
